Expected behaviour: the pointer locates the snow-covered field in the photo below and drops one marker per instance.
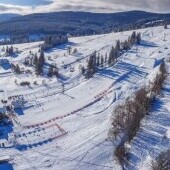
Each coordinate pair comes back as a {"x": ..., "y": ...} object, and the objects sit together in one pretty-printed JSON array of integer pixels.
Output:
[{"x": 69, "y": 131}]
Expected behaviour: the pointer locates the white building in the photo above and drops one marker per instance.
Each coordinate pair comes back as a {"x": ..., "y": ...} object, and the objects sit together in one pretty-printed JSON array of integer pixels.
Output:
[{"x": 15, "y": 102}]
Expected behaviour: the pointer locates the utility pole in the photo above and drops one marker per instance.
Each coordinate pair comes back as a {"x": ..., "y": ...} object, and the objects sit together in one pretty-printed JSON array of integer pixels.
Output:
[
  {"x": 63, "y": 88},
  {"x": 164, "y": 37}
]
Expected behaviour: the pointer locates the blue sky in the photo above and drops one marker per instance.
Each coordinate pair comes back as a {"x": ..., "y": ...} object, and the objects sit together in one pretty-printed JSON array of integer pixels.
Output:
[
  {"x": 26, "y": 2},
  {"x": 106, "y": 6}
]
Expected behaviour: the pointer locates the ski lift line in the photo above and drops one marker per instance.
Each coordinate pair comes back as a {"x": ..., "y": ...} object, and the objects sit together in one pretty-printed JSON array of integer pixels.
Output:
[
  {"x": 69, "y": 64},
  {"x": 12, "y": 60},
  {"x": 51, "y": 88},
  {"x": 92, "y": 39},
  {"x": 74, "y": 112},
  {"x": 89, "y": 54},
  {"x": 96, "y": 99},
  {"x": 50, "y": 92},
  {"x": 77, "y": 61},
  {"x": 85, "y": 57},
  {"x": 96, "y": 50}
]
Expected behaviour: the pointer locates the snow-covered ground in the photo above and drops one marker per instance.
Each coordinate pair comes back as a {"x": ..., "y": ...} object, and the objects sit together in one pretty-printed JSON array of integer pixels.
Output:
[{"x": 69, "y": 131}]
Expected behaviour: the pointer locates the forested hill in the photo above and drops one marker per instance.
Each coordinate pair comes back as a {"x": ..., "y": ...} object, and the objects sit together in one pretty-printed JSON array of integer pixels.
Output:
[
  {"x": 77, "y": 23},
  {"x": 7, "y": 16}
]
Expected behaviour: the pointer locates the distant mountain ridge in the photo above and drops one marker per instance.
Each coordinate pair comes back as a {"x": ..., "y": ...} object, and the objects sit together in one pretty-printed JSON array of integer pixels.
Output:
[
  {"x": 8, "y": 16},
  {"x": 76, "y": 23}
]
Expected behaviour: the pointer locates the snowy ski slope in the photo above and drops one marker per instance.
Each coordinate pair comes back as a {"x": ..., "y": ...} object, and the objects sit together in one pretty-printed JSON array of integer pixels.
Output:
[{"x": 69, "y": 131}]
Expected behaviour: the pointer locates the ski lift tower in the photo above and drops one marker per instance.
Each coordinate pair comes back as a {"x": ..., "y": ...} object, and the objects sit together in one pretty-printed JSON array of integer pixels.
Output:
[
  {"x": 164, "y": 37},
  {"x": 63, "y": 89}
]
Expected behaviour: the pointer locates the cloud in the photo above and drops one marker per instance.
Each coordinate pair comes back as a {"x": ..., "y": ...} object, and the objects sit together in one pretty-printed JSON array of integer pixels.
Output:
[
  {"x": 149, "y": 5},
  {"x": 12, "y": 9},
  {"x": 106, "y": 6}
]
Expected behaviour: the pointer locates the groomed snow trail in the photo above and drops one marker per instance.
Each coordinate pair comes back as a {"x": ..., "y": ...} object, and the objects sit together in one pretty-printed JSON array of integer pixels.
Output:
[{"x": 69, "y": 131}]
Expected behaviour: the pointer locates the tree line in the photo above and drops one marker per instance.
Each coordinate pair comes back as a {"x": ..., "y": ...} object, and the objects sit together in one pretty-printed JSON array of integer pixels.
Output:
[
  {"x": 54, "y": 40},
  {"x": 128, "y": 116},
  {"x": 38, "y": 63},
  {"x": 99, "y": 61},
  {"x": 162, "y": 162}
]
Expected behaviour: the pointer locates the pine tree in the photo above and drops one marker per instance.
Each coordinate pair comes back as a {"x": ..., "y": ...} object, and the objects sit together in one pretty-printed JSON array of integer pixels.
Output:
[
  {"x": 39, "y": 65},
  {"x": 126, "y": 45},
  {"x": 129, "y": 42},
  {"x": 94, "y": 61},
  {"x": 55, "y": 71},
  {"x": 138, "y": 38},
  {"x": 112, "y": 56},
  {"x": 116, "y": 54},
  {"x": 17, "y": 69},
  {"x": 35, "y": 61},
  {"x": 91, "y": 66},
  {"x": 102, "y": 61},
  {"x": 11, "y": 50},
  {"x": 133, "y": 38},
  {"x": 7, "y": 50},
  {"x": 118, "y": 45},
  {"x": 165, "y": 25},
  {"x": 98, "y": 61},
  {"x": 3, "y": 49},
  {"x": 50, "y": 71},
  {"x": 37, "y": 68},
  {"x": 105, "y": 61},
  {"x": 110, "y": 59},
  {"x": 83, "y": 70},
  {"x": 42, "y": 58},
  {"x": 75, "y": 51},
  {"x": 90, "y": 63},
  {"x": 69, "y": 50}
]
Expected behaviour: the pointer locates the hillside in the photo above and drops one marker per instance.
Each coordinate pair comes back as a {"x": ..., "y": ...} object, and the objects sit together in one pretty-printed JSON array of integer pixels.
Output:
[
  {"x": 7, "y": 17},
  {"x": 65, "y": 121},
  {"x": 78, "y": 23}
]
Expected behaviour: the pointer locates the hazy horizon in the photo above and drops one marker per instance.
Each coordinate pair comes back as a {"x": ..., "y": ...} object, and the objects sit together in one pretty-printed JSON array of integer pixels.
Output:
[{"x": 96, "y": 6}]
